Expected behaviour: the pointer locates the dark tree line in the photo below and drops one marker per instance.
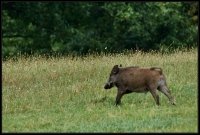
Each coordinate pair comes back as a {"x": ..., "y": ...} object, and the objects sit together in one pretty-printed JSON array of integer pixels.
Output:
[{"x": 86, "y": 27}]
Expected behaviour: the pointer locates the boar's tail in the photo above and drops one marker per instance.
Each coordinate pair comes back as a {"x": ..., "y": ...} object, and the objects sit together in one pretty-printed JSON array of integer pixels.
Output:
[{"x": 157, "y": 68}]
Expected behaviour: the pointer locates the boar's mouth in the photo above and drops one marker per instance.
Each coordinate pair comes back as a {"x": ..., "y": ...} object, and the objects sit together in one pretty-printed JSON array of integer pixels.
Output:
[{"x": 108, "y": 85}]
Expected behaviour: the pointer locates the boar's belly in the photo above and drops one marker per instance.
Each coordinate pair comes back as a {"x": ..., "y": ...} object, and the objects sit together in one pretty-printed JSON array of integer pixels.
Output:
[{"x": 140, "y": 89}]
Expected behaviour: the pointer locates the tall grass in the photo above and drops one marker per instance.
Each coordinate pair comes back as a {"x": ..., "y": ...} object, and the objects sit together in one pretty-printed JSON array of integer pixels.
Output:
[{"x": 66, "y": 95}]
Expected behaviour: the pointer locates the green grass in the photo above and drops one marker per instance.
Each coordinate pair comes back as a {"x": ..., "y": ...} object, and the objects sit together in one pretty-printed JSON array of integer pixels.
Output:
[{"x": 67, "y": 95}]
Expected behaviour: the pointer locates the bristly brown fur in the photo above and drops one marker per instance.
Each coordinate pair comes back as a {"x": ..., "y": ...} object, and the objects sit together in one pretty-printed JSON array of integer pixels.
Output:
[{"x": 136, "y": 79}]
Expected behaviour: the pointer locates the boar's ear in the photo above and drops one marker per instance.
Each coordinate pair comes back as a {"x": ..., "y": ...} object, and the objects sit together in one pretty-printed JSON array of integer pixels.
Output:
[
  {"x": 120, "y": 65},
  {"x": 115, "y": 69}
]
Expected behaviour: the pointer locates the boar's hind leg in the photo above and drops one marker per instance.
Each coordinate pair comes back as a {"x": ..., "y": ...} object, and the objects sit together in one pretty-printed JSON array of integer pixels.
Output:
[
  {"x": 155, "y": 96},
  {"x": 167, "y": 93}
]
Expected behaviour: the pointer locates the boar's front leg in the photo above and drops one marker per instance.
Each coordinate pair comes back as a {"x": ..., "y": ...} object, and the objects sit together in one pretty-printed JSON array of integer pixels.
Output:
[{"x": 120, "y": 93}]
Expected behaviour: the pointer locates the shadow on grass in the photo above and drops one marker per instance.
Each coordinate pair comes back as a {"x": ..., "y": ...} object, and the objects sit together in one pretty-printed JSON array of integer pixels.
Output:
[{"x": 101, "y": 100}]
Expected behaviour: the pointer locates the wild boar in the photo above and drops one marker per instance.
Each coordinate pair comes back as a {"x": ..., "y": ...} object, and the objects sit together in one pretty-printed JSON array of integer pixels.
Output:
[{"x": 136, "y": 79}]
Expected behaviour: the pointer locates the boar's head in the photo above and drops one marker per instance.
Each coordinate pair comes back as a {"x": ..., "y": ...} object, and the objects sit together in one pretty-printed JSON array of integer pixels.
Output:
[{"x": 112, "y": 78}]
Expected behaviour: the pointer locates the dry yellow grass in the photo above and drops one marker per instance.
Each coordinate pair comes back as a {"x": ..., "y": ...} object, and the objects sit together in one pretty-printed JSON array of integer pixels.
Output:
[{"x": 66, "y": 95}]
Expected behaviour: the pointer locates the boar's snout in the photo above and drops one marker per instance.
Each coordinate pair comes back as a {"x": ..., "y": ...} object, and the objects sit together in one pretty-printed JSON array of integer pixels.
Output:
[{"x": 108, "y": 86}]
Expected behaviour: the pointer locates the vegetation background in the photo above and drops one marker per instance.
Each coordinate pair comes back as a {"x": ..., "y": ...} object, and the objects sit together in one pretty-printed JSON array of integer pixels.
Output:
[
  {"x": 57, "y": 57},
  {"x": 67, "y": 95},
  {"x": 80, "y": 28}
]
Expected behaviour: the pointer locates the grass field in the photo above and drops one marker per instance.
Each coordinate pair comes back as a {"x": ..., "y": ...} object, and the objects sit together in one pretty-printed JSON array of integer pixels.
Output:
[{"x": 67, "y": 95}]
